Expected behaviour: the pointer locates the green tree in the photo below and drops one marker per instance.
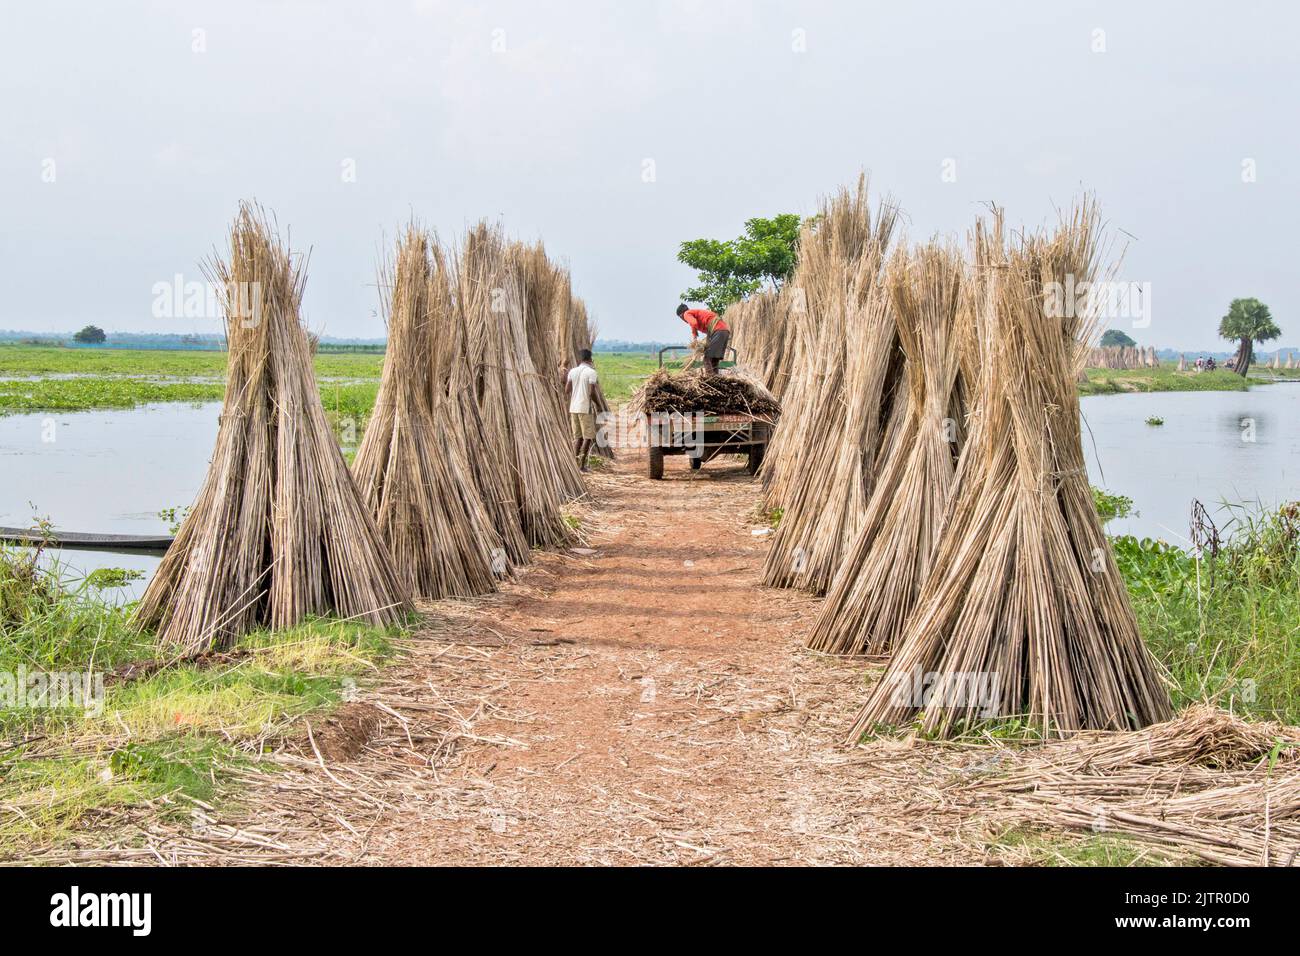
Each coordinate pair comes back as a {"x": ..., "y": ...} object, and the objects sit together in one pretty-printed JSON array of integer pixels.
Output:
[
  {"x": 1248, "y": 321},
  {"x": 91, "y": 335},
  {"x": 1116, "y": 337},
  {"x": 729, "y": 270}
]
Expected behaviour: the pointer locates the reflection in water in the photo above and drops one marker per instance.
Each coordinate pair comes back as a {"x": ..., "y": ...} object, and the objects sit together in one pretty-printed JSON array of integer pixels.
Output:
[
  {"x": 1235, "y": 447},
  {"x": 104, "y": 472},
  {"x": 112, "y": 471}
]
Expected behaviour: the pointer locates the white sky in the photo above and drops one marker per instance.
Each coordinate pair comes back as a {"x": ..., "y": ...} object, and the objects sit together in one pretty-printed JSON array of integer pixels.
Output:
[{"x": 154, "y": 144}]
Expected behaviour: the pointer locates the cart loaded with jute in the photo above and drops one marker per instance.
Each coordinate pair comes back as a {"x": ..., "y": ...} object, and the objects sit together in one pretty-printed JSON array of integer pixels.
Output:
[{"x": 702, "y": 416}]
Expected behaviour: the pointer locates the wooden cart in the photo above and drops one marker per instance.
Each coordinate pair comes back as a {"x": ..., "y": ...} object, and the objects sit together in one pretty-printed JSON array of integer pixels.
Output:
[{"x": 718, "y": 435}]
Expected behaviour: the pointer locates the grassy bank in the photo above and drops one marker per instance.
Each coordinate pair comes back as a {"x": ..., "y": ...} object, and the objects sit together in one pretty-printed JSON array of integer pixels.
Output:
[
  {"x": 34, "y": 379},
  {"x": 1167, "y": 378},
  {"x": 344, "y": 399},
  {"x": 164, "y": 739},
  {"x": 80, "y": 379},
  {"x": 1227, "y": 628},
  {"x": 21, "y": 360}
]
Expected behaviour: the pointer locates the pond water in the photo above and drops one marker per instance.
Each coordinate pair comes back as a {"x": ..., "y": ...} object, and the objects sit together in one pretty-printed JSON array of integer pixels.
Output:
[
  {"x": 113, "y": 471},
  {"x": 1238, "y": 447},
  {"x": 104, "y": 472}
]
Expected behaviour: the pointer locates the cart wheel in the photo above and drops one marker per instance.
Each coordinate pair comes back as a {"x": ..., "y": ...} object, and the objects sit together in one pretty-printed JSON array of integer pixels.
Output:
[
  {"x": 655, "y": 463},
  {"x": 696, "y": 462},
  {"x": 755, "y": 459}
]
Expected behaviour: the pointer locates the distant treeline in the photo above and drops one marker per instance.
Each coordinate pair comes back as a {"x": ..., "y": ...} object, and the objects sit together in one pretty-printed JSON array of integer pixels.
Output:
[{"x": 622, "y": 345}]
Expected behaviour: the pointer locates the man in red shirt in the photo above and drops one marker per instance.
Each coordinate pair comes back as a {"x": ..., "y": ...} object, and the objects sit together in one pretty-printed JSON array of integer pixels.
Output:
[{"x": 716, "y": 333}]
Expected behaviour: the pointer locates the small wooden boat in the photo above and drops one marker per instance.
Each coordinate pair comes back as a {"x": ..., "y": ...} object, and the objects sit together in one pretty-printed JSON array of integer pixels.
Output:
[{"x": 82, "y": 541}]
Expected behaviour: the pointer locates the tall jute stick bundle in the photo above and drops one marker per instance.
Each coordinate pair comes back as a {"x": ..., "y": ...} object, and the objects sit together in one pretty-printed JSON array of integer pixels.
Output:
[
  {"x": 825, "y": 451},
  {"x": 279, "y": 530},
  {"x": 509, "y": 389},
  {"x": 1024, "y": 612},
  {"x": 761, "y": 336},
  {"x": 558, "y": 328},
  {"x": 412, "y": 466},
  {"x": 876, "y": 586},
  {"x": 489, "y": 465}
]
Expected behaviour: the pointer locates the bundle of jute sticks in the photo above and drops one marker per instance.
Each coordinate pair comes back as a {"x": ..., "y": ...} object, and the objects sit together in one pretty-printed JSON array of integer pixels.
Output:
[
  {"x": 1022, "y": 589},
  {"x": 929, "y": 465},
  {"x": 463, "y": 467},
  {"x": 279, "y": 530}
]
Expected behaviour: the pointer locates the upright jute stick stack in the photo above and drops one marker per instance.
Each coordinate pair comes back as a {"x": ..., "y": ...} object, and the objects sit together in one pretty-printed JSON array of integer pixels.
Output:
[
  {"x": 876, "y": 586},
  {"x": 412, "y": 466},
  {"x": 511, "y": 392},
  {"x": 279, "y": 530},
  {"x": 1024, "y": 613},
  {"x": 762, "y": 338},
  {"x": 824, "y": 456}
]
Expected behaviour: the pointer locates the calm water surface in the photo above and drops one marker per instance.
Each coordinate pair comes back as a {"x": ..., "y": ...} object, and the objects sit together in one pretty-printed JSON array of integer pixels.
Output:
[
  {"x": 106, "y": 472},
  {"x": 1238, "y": 447},
  {"x": 112, "y": 471}
]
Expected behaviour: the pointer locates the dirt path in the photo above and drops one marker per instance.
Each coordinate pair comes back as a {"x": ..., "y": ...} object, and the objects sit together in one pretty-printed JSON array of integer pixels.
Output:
[{"x": 645, "y": 703}]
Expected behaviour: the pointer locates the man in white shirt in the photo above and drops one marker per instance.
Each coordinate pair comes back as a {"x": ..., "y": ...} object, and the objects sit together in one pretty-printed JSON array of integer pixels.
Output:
[{"x": 582, "y": 415}]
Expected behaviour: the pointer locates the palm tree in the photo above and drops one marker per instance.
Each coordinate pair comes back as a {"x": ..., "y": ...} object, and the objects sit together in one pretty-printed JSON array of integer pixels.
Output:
[{"x": 1249, "y": 321}]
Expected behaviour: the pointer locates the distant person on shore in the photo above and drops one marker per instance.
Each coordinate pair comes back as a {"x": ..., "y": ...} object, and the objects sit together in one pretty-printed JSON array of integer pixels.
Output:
[
  {"x": 717, "y": 334},
  {"x": 582, "y": 413}
]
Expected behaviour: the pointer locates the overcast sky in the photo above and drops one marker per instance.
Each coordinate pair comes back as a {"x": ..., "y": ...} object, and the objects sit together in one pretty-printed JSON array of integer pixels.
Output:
[{"x": 129, "y": 131}]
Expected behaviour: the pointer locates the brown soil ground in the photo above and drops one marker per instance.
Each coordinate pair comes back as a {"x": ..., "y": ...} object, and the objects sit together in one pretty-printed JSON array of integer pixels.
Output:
[{"x": 645, "y": 703}]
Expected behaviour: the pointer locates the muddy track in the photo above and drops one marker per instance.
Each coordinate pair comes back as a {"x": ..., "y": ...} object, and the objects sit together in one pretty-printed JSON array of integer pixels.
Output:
[{"x": 648, "y": 703}]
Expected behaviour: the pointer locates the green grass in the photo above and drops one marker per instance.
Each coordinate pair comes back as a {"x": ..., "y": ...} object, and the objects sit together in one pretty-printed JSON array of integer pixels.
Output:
[
  {"x": 177, "y": 731},
  {"x": 1037, "y": 848},
  {"x": 48, "y": 799},
  {"x": 352, "y": 400},
  {"x": 48, "y": 626},
  {"x": 80, "y": 394},
  {"x": 1166, "y": 378},
  {"x": 621, "y": 373},
  {"x": 126, "y": 378},
  {"x": 1227, "y": 629},
  {"x": 18, "y": 360}
]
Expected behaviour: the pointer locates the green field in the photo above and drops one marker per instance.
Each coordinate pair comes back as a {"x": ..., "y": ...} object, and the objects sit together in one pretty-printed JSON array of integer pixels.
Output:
[
  {"x": 621, "y": 373},
  {"x": 1167, "y": 378},
  {"x": 38, "y": 378},
  {"x": 35, "y": 378},
  {"x": 20, "y": 360},
  {"x": 166, "y": 739}
]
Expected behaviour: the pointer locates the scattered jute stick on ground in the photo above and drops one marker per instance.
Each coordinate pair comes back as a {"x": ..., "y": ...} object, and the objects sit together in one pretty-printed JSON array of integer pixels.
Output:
[{"x": 1205, "y": 783}]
